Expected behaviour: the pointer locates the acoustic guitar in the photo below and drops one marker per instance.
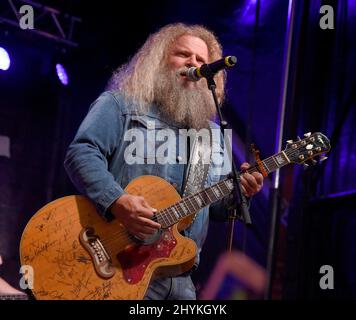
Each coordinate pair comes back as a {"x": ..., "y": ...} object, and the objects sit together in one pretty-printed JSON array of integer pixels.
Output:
[{"x": 75, "y": 254}]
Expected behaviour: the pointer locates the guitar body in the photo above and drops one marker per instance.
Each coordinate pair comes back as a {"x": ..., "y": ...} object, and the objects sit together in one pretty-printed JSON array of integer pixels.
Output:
[{"x": 76, "y": 254}]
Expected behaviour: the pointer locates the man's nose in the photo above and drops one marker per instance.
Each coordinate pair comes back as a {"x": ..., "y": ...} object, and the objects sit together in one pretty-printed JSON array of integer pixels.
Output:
[{"x": 192, "y": 62}]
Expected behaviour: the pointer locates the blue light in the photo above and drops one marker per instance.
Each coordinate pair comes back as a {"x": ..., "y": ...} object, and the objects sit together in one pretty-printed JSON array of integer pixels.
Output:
[
  {"x": 4, "y": 59},
  {"x": 62, "y": 74},
  {"x": 249, "y": 13}
]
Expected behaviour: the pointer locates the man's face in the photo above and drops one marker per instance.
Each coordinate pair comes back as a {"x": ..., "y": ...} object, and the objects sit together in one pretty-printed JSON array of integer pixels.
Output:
[{"x": 187, "y": 51}]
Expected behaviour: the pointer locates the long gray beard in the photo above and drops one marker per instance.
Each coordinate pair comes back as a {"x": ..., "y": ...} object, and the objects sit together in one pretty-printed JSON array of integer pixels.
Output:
[{"x": 189, "y": 107}]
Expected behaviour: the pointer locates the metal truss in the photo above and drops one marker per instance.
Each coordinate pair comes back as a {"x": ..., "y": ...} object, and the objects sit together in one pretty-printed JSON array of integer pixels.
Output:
[{"x": 48, "y": 22}]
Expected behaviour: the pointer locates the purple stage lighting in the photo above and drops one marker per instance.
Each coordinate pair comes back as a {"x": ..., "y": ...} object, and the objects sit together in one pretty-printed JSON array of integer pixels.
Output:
[
  {"x": 4, "y": 59},
  {"x": 62, "y": 74},
  {"x": 249, "y": 12}
]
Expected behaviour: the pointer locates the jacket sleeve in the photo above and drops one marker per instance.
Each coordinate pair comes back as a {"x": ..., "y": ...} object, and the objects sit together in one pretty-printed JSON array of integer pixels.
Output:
[{"x": 86, "y": 160}]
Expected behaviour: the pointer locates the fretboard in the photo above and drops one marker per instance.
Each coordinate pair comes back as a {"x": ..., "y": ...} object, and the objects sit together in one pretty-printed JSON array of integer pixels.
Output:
[{"x": 195, "y": 202}]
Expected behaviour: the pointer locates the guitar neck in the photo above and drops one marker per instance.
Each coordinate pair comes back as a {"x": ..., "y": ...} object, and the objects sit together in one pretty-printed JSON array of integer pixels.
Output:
[
  {"x": 272, "y": 163},
  {"x": 195, "y": 202}
]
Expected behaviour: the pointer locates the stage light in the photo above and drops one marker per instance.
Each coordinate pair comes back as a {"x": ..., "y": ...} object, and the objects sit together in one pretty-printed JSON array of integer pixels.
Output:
[
  {"x": 4, "y": 59},
  {"x": 62, "y": 74},
  {"x": 249, "y": 12}
]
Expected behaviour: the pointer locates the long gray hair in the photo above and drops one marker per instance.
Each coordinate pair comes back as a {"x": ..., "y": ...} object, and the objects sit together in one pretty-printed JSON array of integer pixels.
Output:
[{"x": 135, "y": 80}]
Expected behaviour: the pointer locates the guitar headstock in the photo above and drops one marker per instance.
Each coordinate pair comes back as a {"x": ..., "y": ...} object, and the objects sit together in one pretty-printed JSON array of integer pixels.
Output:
[{"x": 308, "y": 148}]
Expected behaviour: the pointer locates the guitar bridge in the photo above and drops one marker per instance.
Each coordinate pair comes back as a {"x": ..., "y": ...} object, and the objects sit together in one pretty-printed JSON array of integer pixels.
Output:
[{"x": 99, "y": 256}]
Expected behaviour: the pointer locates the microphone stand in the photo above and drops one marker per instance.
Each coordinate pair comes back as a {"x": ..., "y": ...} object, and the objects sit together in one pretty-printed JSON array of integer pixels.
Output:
[{"x": 241, "y": 204}]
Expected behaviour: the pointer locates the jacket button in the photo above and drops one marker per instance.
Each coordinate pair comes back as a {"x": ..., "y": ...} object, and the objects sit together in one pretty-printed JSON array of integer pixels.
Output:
[
  {"x": 174, "y": 185},
  {"x": 179, "y": 158}
]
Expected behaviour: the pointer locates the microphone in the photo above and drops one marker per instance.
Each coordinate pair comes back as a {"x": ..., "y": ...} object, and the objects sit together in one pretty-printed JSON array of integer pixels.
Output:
[{"x": 209, "y": 70}]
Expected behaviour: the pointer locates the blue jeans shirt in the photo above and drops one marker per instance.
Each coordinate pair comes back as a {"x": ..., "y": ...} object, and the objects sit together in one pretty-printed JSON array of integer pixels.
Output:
[{"x": 96, "y": 165}]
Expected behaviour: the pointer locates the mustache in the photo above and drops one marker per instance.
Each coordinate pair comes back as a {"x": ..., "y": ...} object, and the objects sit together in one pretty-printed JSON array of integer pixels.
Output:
[
  {"x": 176, "y": 75},
  {"x": 182, "y": 71}
]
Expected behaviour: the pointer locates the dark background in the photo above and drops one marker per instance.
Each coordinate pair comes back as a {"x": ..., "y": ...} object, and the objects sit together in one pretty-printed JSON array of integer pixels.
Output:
[{"x": 317, "y": 220}]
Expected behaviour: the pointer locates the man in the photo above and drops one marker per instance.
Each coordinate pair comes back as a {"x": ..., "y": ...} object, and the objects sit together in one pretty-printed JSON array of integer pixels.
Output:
[{"x": 150, "y": 90}]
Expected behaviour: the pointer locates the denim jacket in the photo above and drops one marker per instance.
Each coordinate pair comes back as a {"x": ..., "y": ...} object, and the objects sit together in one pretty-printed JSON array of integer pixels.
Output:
[{"x": 96, "y": 165}]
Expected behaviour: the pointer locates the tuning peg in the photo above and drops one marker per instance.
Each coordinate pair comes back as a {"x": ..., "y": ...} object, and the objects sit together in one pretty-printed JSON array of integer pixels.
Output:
[
  {"x": 289, "y": 141},
  {"x": 298, "y": 138},
  {"x": 305, "y": 165},
  {"x": 314, "y": 162},
  {"x": 307, "y": 135},
  {"x": 323, "y": 159}
]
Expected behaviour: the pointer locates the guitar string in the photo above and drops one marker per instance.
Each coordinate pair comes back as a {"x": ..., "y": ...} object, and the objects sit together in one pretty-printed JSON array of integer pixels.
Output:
[
  {"x": 121, "y": 234},
  {"x": 166, "y": 213}
]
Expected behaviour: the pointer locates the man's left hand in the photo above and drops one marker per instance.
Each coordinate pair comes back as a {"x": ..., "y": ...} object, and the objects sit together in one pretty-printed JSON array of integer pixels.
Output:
[{"x": 251, "y": 183}]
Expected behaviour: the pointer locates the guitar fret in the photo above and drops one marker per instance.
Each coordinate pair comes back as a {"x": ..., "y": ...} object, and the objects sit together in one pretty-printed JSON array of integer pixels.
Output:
[
  {"x": 188, "y": 205},
  {"x": 163, "y": 215},
  {"x": 198, "y": 199},
  {"x": 160, "y": 217},
  {"x": 213, "y": 195},
  {"x": 226, "y": 184},
  {"x": 224, "y": 187},
  {"x": 269, "y": 164},
  {"x": 205, "y": 198},
  {"x": 266, "y": 167},
  {"x": 183, "y": 207},
  {"x": 168, "y": 215},
  {"x": 280, "y": 159},
  {"x": 201, "y": 198},
  {"x": 170, "y": 212},
  {"x": 207, "y": 194},
  {"x": 175, "y": 212},
  {"x": 275, "y": 162},
  {"x": 217, "y": 185},
  {"x": 191, "y": 203},
  {"x": 214, "y": 192}
]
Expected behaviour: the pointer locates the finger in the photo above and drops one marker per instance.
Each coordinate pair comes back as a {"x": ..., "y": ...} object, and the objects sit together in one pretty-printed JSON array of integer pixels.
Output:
[
  {"x": 248, "y": 189},
  {"x": 245, "y": 166},
  {"x": 244, "y": 190},
  {"x": 252, "y": 185},
  {"x": 146, "y": 230},
  {"x": 251, "y": 180},
  {"x": 146, "y": 205},
  {"x": 148, "y": 223},
  {"x": 145, "y": 212},
  {"x": 259, "y": 178},
  {"x": 141, "y": 235}
]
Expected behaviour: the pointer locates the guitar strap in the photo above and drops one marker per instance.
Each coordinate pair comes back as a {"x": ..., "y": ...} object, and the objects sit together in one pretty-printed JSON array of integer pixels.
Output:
[{"x": 198, "y": 164}]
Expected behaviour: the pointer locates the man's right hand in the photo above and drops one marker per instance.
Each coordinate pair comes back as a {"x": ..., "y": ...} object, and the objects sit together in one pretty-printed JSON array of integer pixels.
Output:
[{"x": 135, "y": 214}]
